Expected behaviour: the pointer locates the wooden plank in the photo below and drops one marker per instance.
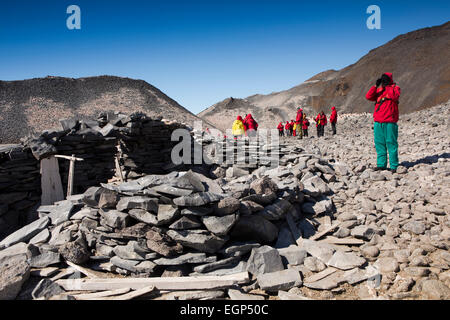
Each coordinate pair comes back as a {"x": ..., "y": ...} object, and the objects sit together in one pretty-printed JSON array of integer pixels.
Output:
[
  {"x": 70, "y": 179},
  {"x": 87, "y": 272},
  {"x": 175, "y": 283},
  {"x": 320, "y": 275},
  {"x": 119, "y": 169},
  {"x": 324, "y": 232},
  {"x": 101, "y": 294},
  {"x": 296, "y": 233},
  {"x": 69, "y": 158},
  {"x": 44, "y": 272},
  {"x": 344, "y": 241},
  {"x": 132, "y": 295},
  {"x": 52, "y": 189},
  {"x": 63, "y": 273}
]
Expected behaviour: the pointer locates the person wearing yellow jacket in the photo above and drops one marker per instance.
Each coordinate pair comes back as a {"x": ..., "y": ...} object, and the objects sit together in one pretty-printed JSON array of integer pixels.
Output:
[{"x": 238, "y": 128}]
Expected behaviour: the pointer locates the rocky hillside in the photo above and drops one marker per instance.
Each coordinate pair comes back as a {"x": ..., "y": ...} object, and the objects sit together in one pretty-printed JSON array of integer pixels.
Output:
[
  {"x": 419, "y": 61},
  {"x": 31, "y": 106}
]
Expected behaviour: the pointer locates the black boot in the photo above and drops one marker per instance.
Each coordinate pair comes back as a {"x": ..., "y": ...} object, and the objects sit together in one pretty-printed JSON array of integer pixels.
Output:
[{"x": 379, "y": 169}]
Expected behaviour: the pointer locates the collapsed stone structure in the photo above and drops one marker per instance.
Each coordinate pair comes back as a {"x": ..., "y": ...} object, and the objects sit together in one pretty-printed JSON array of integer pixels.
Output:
[{"x": 145, "y": 147}]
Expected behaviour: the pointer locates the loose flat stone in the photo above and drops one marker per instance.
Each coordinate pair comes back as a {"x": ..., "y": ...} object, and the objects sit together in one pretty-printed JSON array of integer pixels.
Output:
[
  {"x": 264, "y": 259},
  {"x": 345, "y": 261},
  {"x": 276, "y": 211},
  {"x": 313, "y": 264},
  {"x": 227, "y": 206},
  {"x": 146, "y": 267},
  {"x": 197, "y": 211},
  {"x": 46, "y": 288},
  {"x": 319, "y": 276},
  {"x": 129, "y": 265},
  {"x": 185, "y": 223},
  {"x": 190, "y": 181},
  {"x": 354, "y": 276},
  {"x": 20, "y": 248},
  {"x": 330, "y": 282},
  {"x": 279, "y": 280},
  {"x": 131, "y": 251},
  {"x": 387, "y": 265},
  {"x": 197, "y": 199},
  {"x": 61, "y": 213},
  {"x": 167, "y": 214},
  {"x": 171, "y": 191},
  {"x": 320, "y": 250},
  {"x": 415, "y": 227},
  {"x": 220, "y": 225},
  {"x": 363, "y": 232},
  {"x": 200, "y": 240},
  {"x": 41, "y": 237},
  {"x": 238, "y": 268},
  {"x": 239, "y": 248},
  {"x": 224, "y": 263},
  {"x": 144, "y": 216},
  {"x": 162, "y": 244},
  {"x": 14, "y": 272},
  {"x": 26, "y": 233},
  {"x": 115, "y": 218},
  {"x": 190, "y": 258},
  {"x": 283, "y": 295},
  {"x": 44, "y": 272},
  {"x": 292, "y": 255},
  {"x": 45, "y": 259},
  {"x": 238, "y": 295},
  {"x": 138, "y": 202},
  {"x": 435, "y": 289},
  {"x": 85, "y": 212}
]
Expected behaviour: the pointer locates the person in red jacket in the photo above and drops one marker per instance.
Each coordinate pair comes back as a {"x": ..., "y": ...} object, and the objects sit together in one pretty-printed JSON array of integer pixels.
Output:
[
  {"x": 291, "y": 128},
  {"x": 386, "y": 95},
  {"x": 323, "y": 122},
  {"x": 333, "y": 119},
  {"x": 305, "y": 125},
  {"x": 298, "y": 122},
  {"x": 287, "y": 127},
  {"x": 280, "y": 129},
  {"x": 318, "y": 126},
  {"x": 252, "y": 125}
]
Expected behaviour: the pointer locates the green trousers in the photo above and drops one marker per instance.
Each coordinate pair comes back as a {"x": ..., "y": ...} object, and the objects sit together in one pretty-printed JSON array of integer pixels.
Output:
[{"x": 386, "y": 135}]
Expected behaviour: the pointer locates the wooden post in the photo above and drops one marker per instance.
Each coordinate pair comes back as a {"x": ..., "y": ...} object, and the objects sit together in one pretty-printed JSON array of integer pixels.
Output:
[
  {"x": 72, "y": 160},
  {"x": 51, "y": 186},
  {"x": 117, "y": 161}
]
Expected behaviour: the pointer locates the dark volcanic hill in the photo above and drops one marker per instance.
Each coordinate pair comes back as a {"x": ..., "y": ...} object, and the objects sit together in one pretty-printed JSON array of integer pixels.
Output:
[
  {"x": 34, "y": 105},
  {"x": 419, "y": 60}
]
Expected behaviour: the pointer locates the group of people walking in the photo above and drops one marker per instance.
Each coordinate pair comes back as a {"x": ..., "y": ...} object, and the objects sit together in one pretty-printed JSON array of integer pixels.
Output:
[
  {"x": 299, "y": 127},
  {"x": 385, "y": 93},
  {"x": 244, "y": 127}
]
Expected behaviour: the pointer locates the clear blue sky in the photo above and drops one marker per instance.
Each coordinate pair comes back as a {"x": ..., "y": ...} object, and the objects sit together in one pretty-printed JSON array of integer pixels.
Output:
[{"x": 201, "y": 52}]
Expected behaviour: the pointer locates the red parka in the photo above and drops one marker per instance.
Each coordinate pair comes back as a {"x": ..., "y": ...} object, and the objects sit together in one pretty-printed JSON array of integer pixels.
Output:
[
  {"x": 323, "y": 119},
  {"x": 305, "y": 124},
  {"x": 317, "y": 119},
  {"x": 280, "y": 126},
  {"x": 251, "y": 123},
  {"x": 287, "y": 126},
  {"x": 386, "y": 107},
  {"x": 333, "y": 117},
  {"x": 299, "y": 117}
]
